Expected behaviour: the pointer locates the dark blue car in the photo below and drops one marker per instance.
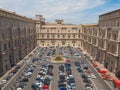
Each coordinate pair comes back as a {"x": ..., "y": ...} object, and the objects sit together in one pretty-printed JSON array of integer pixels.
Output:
[{"x": 62, "y": 88}]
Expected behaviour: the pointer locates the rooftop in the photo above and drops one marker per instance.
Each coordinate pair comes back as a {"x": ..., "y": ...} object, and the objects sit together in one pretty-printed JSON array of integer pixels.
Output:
[{"x": 110, "y": 12}]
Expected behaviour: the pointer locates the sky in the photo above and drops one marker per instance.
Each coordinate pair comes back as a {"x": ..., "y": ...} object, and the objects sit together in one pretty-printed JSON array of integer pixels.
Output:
[{"x": 71, "y": 11}]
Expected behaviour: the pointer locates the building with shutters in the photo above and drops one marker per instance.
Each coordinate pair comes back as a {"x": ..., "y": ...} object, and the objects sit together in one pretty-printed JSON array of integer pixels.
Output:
[{"x": 57, "y": 33}]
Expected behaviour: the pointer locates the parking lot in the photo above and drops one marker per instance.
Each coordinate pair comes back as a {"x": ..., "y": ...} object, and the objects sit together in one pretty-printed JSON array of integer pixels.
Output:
[{"x": 42, "y": 74}]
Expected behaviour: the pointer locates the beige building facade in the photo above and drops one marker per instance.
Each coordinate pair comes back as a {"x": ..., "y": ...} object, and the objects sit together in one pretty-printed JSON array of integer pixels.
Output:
[
  {"x": 110, "y": 23},
  {"x": 102, "y": 41},
  {"x": 90, "y": 39},
  {"x": 57, "y": 33},
  {"x": 17, "y": 38}
]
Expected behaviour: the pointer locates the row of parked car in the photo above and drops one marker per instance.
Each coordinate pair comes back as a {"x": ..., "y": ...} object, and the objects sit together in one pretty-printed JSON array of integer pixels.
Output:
[
  {"x": 71, "y": 85},
  {"x": 62, "y": 78},
  {"x": 51, "y": 52},
  {"x": 24, "y": 78},
  {"x": 86, "y": 74},
  {"x": 66, "y": 79},
  {"x": 10, "y": 75},
  {"x": 74, "y": 53},
  {"x": 43, "y": 78}
]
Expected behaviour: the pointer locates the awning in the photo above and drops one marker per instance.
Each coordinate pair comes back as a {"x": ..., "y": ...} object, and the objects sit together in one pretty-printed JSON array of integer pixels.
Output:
[
  {"x": 116, "y": 82},
  {"x": 102, "y": 71}
]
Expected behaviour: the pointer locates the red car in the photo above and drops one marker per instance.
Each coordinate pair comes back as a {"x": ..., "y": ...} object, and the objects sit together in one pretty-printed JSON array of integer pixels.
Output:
[
  {"x": 67, "y": 60},
  {"x": 45, "y": 87}
]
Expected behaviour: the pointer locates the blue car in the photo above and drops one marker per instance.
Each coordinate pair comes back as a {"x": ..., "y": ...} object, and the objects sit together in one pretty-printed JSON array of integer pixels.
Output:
[
  {"x": 79, "y": 70},
  {"x": 62, "y": 88},
  {"x": 35, "y": 87}
]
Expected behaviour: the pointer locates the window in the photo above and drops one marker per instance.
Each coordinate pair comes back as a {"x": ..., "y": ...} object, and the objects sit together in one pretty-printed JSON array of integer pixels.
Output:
[
  {"x": 3, "y": 35},
  {"x": 113, "y": 48},
  {"x": 118, "y": 24},
  {"x": 63, "y": 36},
  {"x": 63, "y": 42},
  {"x": 53, "y": 36},
  {"x": 9, "y": 44},
  {"x": 109, "y": 35},
  {"x": 47, "y": 35},
  {"x": 68, "y": 36},
  {"x": 42, "y": 35},
  {"x": 38, "y": 35},
  {"x": 115, "y": 36},
  {"x": 0, "y": 24},
  {"x": 15, "y": 42},
  {"x": 73, "y": 36},
  {"x": 10, "y": 59},
  {"x": 58, "y": 36},
  {"x": 5, "y": 46}
]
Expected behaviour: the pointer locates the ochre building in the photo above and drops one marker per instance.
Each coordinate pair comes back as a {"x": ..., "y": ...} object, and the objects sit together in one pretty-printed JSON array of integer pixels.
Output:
[{"x": 57, "y": 33}]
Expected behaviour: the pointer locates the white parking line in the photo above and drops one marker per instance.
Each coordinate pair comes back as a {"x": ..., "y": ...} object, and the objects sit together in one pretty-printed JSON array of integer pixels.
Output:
[{"x": 94, "y": 84}]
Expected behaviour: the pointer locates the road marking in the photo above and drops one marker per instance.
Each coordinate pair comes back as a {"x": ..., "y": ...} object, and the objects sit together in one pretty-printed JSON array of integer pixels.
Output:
[
  {"x": 94, "y": 84},
  {"x": 109, "y": 85}
]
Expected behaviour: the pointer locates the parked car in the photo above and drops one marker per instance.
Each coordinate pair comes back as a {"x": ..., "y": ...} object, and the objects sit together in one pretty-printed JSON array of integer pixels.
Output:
[
  {"x": 87, "y": 81},
  {"x": 84, "y": 75},
  {"x": 35, "y": 87},
  {"x": 88, "y": 87}
]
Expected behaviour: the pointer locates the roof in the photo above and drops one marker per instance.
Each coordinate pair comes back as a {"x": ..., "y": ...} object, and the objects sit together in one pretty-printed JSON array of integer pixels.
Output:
[
  {"x": 110, "y": 12},
  {"x": 14, "y": 13},
  {"x": 89, "y": 25}
]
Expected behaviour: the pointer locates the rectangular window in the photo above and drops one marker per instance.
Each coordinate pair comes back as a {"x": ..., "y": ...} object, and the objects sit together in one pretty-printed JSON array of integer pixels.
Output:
[
  {"x": 63, "y": 36},
  {"x": 58, "y": 36},
  {"x": 3, "y": 35},
  {"x": 68, "y": 36},
  {"x": 42, "y": 35},
  {"x": 47, "y": 35},
  {"x": 5, "y": 46},
  {"x": 53, "y": 36}
]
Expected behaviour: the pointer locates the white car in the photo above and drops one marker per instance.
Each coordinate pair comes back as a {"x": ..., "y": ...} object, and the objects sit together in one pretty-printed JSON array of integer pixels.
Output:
[
  {"x": 71, "y": 76},
  {"x": 88, "y": 88},
  {"x": 19, "y": 88},
  {"x": 93, "y": 76},
  {"x": 38, "y": 76},
  {"x": 40, "y": 84},
  {"x": 4, "y": 81},
  {"x": 62, "y": 73},
  {"x": 67, "y": 78},
  {"x": 28, "y": 73}
]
